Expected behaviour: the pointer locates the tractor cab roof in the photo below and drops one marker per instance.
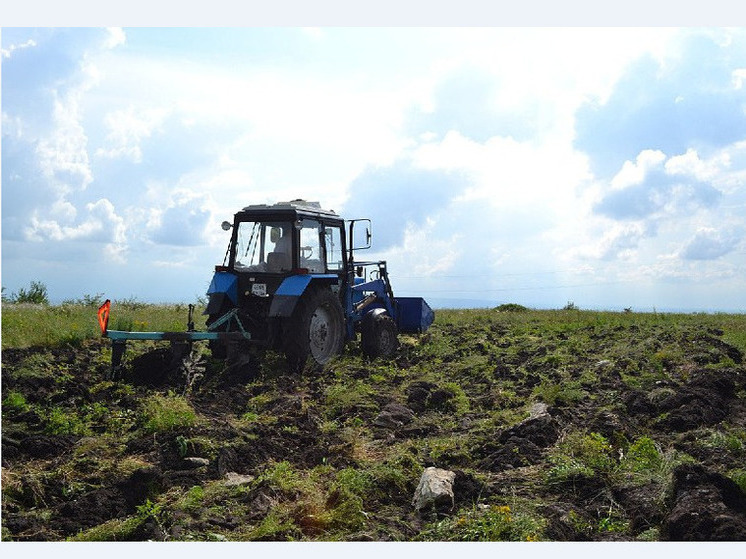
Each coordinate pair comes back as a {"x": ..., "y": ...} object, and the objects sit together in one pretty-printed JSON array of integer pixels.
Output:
[{"x": 295, "y": 209}]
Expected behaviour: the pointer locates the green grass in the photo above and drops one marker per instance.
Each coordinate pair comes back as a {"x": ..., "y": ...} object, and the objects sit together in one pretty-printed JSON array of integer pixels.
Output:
[
  {"x": 29, "y": 325},
  {"x": 164, "y": 413},
  {"x": 488, "y": 523}
]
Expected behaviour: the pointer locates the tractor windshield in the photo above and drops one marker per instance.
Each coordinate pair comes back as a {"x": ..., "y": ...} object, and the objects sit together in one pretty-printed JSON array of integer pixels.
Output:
[{"x": 264, "y": 246}]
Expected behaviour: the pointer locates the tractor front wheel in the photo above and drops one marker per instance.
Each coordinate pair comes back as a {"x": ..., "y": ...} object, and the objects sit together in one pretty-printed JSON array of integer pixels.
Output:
[
  {"x": 315, "y": 331},
  {"x": 379, "y": 336}
]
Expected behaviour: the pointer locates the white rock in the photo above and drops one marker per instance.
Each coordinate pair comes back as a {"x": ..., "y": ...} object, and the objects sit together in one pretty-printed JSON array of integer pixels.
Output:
[
  {"x": 435, "y": 488},
  {"x": 232, "y": 479}
]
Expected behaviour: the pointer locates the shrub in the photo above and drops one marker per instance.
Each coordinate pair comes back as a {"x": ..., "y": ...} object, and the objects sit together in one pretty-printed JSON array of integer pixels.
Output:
[
  {"x": 37, "y": 294},
  {"x": 511, "y": 307},
  {"x": 86, "y": 300}
]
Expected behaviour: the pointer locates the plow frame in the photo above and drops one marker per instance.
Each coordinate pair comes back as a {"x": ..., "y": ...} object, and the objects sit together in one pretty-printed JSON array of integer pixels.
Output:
[{"x": 181, "y": 342}]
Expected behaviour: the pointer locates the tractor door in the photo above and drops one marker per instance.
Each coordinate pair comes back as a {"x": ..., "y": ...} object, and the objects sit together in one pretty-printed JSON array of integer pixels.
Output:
[{"x": 334, "y": 249}]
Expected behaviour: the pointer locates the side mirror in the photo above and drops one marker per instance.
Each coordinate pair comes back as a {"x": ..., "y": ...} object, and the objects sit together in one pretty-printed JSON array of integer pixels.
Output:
[
  {"x": 360, "y": 239},
  {"x": 226, "y": 226},
  {"x": 274, "y": 234}
]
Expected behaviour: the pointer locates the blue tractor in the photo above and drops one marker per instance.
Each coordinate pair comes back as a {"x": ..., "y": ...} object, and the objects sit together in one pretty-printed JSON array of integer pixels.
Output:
[{"x": 289, "y": 282}]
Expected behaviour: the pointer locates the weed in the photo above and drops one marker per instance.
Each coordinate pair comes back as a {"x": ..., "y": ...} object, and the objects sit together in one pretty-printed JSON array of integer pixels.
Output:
[
  {"x": 111, "y": 531},
  {"x": 458, "y": 402},
  {"x": 281, "y": 475},
  {"x": 167, "y": 413},
  {"x": 58, "y": 421},
  {"x": 343, "y": 400},
  {"x": 613, "y": 521},
  {"x": 581, "y": 455},
  {"x": 487, "y": 523},
  {"x": 153, "y": 512},
  {"x": 182, "y": 445},
  {"x": 15, "y": 402},
  {"x": 194, "y": 497},
  {"x": 739, "y": 476},
  {"x": 731, "y": 440},
  {"x": 559, "y": 394},
  {"x": 642, "y": 455},
  {"x": 446, "y": 451}
]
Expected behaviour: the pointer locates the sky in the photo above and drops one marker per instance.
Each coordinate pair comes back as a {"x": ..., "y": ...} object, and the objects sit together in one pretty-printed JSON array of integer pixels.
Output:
[{"x": 541, "y": 166}]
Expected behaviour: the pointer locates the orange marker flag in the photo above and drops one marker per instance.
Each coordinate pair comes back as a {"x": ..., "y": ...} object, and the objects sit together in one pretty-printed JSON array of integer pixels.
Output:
[{"x": 103, "y": 316}]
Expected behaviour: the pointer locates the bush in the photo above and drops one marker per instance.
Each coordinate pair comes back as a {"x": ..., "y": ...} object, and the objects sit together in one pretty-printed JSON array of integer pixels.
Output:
[
  {"x": 86, "y": 300},
  {"x": 37, "y": 294},
  {"x": 511, "y": 307}
]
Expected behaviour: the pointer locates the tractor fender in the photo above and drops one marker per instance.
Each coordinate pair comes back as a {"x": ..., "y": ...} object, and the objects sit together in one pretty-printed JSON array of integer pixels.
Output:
[
  {"x": 292, "y": 289},
  {"x": 223, "y": 291},
  {"x": 370, "y": 317}
]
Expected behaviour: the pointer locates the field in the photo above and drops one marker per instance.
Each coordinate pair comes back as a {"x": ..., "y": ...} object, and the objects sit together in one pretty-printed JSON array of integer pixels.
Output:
[{"x": 559, "y": 425}]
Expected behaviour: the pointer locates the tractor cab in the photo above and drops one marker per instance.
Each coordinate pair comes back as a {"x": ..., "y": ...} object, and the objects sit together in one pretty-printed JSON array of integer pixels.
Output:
[{"x": 287, "y": 238}]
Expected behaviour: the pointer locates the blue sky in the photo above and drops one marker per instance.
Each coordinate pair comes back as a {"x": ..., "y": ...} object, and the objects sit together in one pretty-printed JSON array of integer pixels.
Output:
[{"x": 602, "y": 166}]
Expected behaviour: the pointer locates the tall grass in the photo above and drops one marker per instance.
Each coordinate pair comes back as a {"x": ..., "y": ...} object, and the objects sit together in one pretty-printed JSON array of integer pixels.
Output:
[
  {"x": 732, "y": 325},
  {"x": 28, "y": 325}
]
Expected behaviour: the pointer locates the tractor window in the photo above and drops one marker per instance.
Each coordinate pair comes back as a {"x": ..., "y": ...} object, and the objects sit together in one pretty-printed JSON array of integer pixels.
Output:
[
  {"x": 264, "y": 246},
  {"x": 311, "y": 257},
  {"x": 333, "y": 240}
]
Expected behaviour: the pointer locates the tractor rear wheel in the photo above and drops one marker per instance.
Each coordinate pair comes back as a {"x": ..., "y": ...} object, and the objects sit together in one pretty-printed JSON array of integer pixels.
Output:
[
  {"x": 379, "y": 336},
  {"x": 315, "y": 331}
]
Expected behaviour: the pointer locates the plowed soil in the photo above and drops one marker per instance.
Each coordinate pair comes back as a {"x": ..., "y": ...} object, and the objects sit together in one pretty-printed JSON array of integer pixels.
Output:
[{"x": 495, "y": 400}]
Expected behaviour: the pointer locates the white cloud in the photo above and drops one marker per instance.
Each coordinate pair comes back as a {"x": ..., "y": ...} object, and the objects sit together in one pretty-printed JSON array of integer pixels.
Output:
[
  {"x": 63, "y": 155},
  {"x": 115, "y": 36},
  {"x": 63, "y": 150},
  {"x": 633, "y": 173},
  {"x": 126, "y": 129},
  {"x": 690, "y": 164},
  {"x": 7, "y": 53},
  {"x": 710, "y": 243},
  {"x": 508, "y": 173},
  {"x": 101, "y": 224}
]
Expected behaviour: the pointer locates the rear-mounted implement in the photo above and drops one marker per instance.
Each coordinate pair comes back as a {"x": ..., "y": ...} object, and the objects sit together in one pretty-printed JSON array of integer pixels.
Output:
[{"x": 181, "y": 342}]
